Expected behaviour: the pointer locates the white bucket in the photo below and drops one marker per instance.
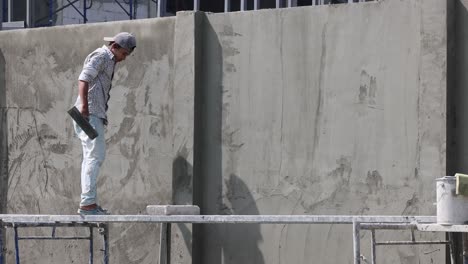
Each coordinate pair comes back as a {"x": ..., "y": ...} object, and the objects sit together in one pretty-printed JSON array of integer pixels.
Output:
[{"x": 452, "y": 209}]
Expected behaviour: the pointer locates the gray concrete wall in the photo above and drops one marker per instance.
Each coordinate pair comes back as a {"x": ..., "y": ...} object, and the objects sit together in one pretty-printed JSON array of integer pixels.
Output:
[
  {"x": 314, "y": 110},
  {"x": 320, "y": 110},
  {"x": 149, "y": 135}
]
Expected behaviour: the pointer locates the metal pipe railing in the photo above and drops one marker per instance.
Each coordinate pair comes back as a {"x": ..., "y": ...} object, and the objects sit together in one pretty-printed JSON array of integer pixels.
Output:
[{"x": 359, "y": 223}]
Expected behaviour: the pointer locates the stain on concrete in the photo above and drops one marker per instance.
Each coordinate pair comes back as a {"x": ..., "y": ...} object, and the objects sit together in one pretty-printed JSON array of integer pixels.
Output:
[
  {"x": 130, "y": 172},
  {"x": 154, "y": 128},
  {"x": 165, "y": 120},
  {"x": 21, "y": 140},
  {"x": 130, "y": 107},
  {"x": 363, "y": 88},
  {"x": 147, "y": 95},
  {"x": 182, "y": 177},
  {"x": 228, "y": 48},
  {"x": 125, "y": 126},
  {"x": 230, "y": 141},
  {"x": 343, "y": 171},
  {"x": 367, "y": 89},
  {"x": 162, "y": 121},
  {"x": 58, "y": 148},
  {"x": 374, "y": 182},
  {"x": 228, "y": 30},
  {"x": 412, "y": 206}
]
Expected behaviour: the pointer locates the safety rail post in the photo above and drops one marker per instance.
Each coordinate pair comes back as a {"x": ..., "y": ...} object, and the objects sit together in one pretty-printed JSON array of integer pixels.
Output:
[
  {"x": 2, "y": 246},
  {"x": 161, "y": 8},
  {"x": 256, "y": 4},
  {"x": 373, "y": 253},
  {"x": 292, "y": 3},
  {"x": 165, "y": 246},
  {"x": 357, "y": 242},
  {"x": 91, "y": 246},
  {"x": 243, "y": 6},
  {"x": 196, "y": 5},
  {"x": 131, "y": 9},
  {"x": 104, "y": 231},
  {"x": 84, "y": 12},
  {"x": 15, "y": 228},
  {"x": 51, "y": 12},
  {"x": 9, "y": 10},
  {"x": 452, "y": 249},
  {"x": 28, "y": 14},
  {"x": 227, "y": 6}
]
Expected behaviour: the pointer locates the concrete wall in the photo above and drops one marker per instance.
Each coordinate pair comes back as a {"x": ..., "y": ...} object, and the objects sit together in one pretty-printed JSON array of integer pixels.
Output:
[
  {"x": 149, "y": 135},
  {"x": 319, "y": 110},
  {"x": 314, "y": 110}
]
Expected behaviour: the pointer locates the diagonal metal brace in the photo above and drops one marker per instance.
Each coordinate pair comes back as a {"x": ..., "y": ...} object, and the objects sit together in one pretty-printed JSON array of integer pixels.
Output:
[
  {"x": 129, "y": 13},
  {"x": 77, "y": 10}
]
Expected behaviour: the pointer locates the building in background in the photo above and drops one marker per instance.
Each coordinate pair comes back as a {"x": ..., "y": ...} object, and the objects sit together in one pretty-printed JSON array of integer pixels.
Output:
[{"x": 41, "y": 13}]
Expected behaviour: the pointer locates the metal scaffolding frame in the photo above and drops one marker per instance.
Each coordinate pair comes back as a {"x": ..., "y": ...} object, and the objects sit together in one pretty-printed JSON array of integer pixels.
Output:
[
  {"x": 103, "y": 230},
  {"x": 372, "y": 223}
]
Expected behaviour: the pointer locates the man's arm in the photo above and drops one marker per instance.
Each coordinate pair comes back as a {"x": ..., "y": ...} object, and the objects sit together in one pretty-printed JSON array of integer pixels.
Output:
[{"x": 83, "y": 93}]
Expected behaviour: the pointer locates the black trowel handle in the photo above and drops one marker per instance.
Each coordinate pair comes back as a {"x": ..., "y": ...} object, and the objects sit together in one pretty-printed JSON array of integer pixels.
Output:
[{"x": 82, "y": 122}]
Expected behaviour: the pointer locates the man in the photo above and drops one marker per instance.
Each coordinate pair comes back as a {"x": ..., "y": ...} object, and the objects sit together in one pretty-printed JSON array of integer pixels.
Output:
[{"x": 95, "y": 82}]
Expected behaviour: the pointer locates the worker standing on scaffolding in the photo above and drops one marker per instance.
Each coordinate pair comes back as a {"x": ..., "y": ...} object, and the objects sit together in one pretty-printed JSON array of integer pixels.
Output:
[{"x": 94, "y": 85}]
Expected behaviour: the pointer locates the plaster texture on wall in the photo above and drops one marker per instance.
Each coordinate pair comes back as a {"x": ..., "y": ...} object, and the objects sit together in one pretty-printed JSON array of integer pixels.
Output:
[
  {"x": 321, "y": 110},
  {"x": 146, "y": 141}
]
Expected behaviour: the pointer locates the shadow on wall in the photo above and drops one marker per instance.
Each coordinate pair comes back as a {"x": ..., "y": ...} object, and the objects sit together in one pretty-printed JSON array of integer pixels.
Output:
[
  {"x": 457, "y": 95},
  {"x": 182, "y": 174},
  {"x": 207, "y": 180},
  {"x": 240, "y": 241},
  {"x": 3, "y": 137},
  {"x": 217, "y": 243}
]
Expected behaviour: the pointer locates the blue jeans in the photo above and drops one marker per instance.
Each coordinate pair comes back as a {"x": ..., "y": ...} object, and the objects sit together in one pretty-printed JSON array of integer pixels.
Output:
[{"x": 94, "y": 152}]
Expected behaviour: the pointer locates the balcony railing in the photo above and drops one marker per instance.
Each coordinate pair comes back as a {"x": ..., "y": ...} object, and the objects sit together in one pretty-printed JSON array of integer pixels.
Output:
[{"x": 129, "y": 7}]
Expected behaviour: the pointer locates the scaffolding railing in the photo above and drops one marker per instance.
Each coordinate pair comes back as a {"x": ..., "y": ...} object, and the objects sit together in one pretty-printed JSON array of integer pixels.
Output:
[{"x": 371, "y": 223}]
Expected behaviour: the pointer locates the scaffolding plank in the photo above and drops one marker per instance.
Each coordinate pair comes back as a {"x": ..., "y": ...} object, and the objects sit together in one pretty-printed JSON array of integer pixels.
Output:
[
  {"x": 173, "y": 210},
  {"x": 207, "y": 219},
  {"x": 442, "y": 228}
]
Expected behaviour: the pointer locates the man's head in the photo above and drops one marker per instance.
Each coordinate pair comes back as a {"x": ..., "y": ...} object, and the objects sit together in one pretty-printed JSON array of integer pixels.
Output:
[{"x": 121, "y": 45}]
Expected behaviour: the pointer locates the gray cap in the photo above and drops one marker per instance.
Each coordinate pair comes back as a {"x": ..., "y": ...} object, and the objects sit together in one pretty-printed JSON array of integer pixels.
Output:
[{"x": 124, "y": 39}]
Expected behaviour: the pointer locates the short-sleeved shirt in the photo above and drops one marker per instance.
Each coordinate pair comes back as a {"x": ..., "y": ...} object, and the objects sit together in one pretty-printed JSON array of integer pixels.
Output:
[{"x": 98, "y": 71}]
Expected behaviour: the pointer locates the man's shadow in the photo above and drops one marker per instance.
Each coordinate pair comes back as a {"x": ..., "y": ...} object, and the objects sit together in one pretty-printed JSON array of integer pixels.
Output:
[{"x": 240, "y": 241}]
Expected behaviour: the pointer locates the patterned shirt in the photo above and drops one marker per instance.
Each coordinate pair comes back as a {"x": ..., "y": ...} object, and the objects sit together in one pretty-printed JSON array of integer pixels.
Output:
[{"x": 98, "y": 71}]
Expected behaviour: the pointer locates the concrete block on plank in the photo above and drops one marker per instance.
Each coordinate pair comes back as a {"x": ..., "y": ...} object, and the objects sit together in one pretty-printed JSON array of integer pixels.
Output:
[{"x": 173, "y": 210}]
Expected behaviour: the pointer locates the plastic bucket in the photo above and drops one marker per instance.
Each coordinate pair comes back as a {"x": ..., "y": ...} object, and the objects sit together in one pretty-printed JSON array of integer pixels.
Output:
[{"x": 452, "y": 209}]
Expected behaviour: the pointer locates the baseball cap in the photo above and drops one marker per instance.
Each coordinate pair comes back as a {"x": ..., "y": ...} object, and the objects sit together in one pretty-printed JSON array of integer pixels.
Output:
[{"x": 124, "y": 39}]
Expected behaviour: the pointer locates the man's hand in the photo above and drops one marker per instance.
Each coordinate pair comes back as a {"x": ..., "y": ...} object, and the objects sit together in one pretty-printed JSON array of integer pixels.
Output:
[{"x": 84, "y": 110}]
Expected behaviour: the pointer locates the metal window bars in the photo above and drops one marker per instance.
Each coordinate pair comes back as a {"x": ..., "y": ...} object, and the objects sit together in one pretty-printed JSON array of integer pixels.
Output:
[{"x": 129, "y": 7}]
